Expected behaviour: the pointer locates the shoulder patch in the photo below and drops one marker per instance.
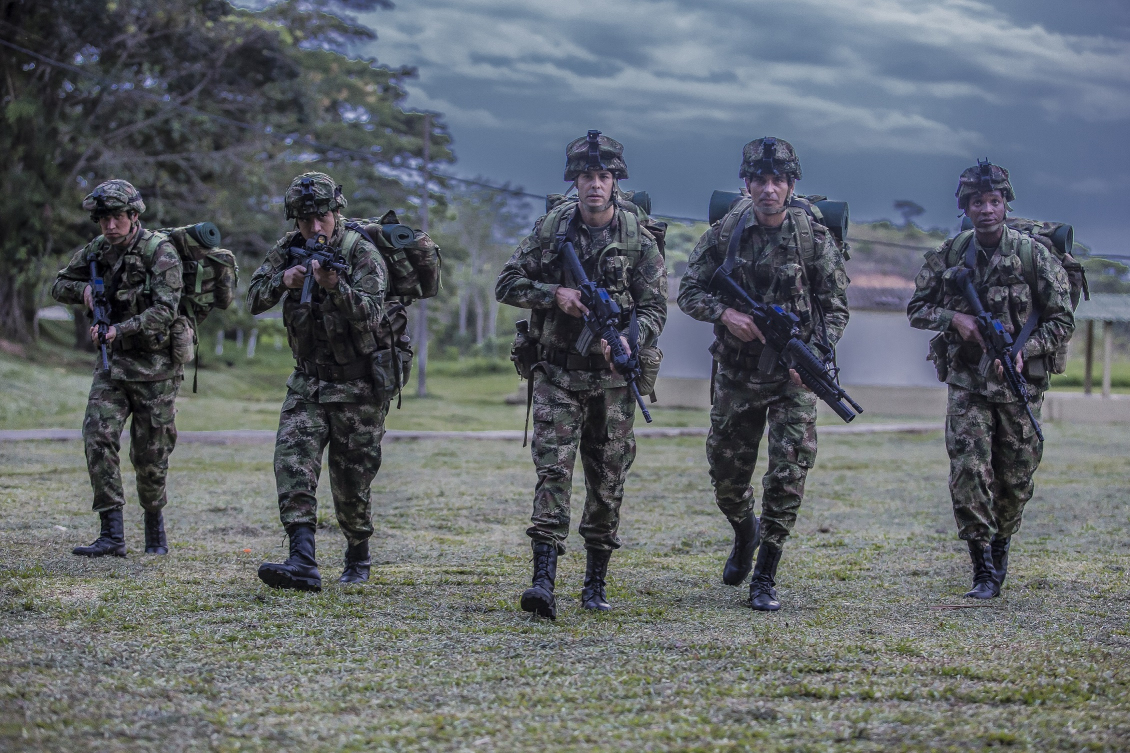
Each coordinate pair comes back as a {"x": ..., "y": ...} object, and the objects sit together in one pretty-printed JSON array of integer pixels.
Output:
[
  {"x": 934, "y": 262},
  {"x": 924, "y": 277},
  {"x": 841, "y": 279},
  {"x": 371, "y": 284}
]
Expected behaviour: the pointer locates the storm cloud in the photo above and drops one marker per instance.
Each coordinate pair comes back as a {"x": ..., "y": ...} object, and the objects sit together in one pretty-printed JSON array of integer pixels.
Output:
[{"x": 883, "y": 99}]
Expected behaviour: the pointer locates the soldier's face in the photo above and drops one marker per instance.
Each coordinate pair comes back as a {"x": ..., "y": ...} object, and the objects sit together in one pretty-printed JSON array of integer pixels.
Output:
[
  {"x": 769, "y": 192},
  {"x": 116, "y": 227},
  {"x": 313, "y": 225},
  {"x": 594, "y": 188},
  {"x": 986, "y": 210}
]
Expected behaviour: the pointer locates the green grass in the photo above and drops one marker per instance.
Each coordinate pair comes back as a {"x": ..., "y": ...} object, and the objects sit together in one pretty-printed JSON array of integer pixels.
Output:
[
  {"x": 1073, "y": 378},
  {"x": 191, "y": 652}
]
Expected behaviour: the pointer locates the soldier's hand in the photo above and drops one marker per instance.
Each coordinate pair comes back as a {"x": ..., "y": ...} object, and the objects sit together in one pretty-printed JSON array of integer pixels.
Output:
[
  {"x": 88, "y": 297},
  {"x": 111, "y": 333},
  {"x": 326, "y": 277},
  {"x": 741, "y": 326},
  {"x": 795, "y": 377},
  {"x": 569, "y": 301},
  {"x": 1000, "y": 366},
  {"x": 294, "y": 277},
  {"x": 966, "y": 326},
  {"x": 607, "y": 349}
]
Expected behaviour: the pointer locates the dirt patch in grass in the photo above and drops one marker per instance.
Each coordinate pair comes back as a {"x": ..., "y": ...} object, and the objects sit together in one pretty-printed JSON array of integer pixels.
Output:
[{"x": 191, "y": 652}]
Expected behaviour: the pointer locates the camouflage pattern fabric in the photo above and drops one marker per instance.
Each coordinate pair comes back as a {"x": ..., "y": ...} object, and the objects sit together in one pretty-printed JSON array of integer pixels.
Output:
[
  {"x": 970, "y": 183},
  {"x": 113, "y": 196},
  {"x": 353, "y": 432},
  {"x": 338, "y": 328},
  {"x": 597, "y": 422},
  {"x": 611, "y": 154},
  {"x": 312, "y": 193},
  {"x": 1005, "y": 288},
  {"x": 772, "y": 267},
  {"x": 636, "y": 280},
  {"x": 737, "y": 423},
  {"x": 769, "y": 156},
  {"x": 153, "y": 435},
  {"x": 142, "y": 350},
  {"x": 994, "y": 452}
]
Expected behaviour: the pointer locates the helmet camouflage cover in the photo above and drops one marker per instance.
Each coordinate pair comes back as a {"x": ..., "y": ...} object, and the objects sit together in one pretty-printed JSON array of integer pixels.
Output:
[
  {"x": 313, "y": 193},
  {"x": 595, "y": 152},
  {"x": 769, "y": 156},
  {"x": 113, "y": 196},
  {"x": 982, "y": 178}
]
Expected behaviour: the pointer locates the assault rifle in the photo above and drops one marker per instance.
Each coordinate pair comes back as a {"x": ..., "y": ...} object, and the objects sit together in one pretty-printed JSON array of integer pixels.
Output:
[
  {"x": 998, "y": 344},
  {"x": 100, "y": 310},
  {"x": 602, "y": 322},
  {"x": 315, "y": 249},
  {"x": 783, "y": 344}
]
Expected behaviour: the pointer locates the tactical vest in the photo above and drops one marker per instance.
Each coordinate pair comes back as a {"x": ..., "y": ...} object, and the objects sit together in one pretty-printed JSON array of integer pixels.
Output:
[
  {"x": 1007, "y": 289},
  {"x": 325, "y": 343},
  {"x": 610, "y": 267},
  {"x": 776, "y": 276},
  {"x": 128, "y": 288}
]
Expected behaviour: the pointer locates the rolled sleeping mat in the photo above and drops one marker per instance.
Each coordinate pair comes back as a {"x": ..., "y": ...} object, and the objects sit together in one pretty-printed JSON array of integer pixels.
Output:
[
  {"x": 398, "y": 236},
  {"x": 834, "y": 216},
  {"x": 720, "y": 203},
  {"x": 641, "y": 199},
  {"x": 206, "y": 234}
]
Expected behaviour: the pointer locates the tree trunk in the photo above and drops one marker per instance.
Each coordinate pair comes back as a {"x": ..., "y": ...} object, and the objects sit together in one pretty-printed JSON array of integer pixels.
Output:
[
  {"x": 15, "y": 320},
  {"x": 480, "y": 317},
  {"x": 464, "y": 296},
  {"x": 492, "y": 316}
]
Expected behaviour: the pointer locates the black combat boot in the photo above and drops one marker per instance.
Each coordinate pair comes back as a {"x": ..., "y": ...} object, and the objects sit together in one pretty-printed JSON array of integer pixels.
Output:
[
  {"x": 357, "y": 563},
  {"x": 747, "y": 535},
  {"x": 596, "y": 570},
  {"x": 300, "y": 571},
  {"x": 155, "y": 541},
  {"x": 1000, "y": 558},
  {"x": 538, "y": 598},
  {"x": 111, "y": 540},
  {"x": 762, "y": 594},
  {"x": 985, "y": 583}
]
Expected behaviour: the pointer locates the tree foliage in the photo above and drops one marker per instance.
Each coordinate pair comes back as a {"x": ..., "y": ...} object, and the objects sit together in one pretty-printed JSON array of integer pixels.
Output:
[{"x": 208, "y": 109}]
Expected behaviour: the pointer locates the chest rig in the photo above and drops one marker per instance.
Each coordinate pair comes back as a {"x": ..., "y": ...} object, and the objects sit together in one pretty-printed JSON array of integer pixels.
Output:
[{"x": 129, "y": 285}]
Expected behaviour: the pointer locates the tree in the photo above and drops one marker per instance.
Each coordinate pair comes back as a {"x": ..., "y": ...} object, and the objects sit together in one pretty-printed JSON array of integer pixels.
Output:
[
  {"x": 208, "y": 109},
  {"x": 909, "y": 210}
]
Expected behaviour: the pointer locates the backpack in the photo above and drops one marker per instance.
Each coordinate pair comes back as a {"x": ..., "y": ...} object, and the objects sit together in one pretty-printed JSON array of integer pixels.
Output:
[
  {"x": 208, "y": 284},
  {"x": 633, "y": 202},
  {"x": 831, "y": 214},
  {"x": 412, "y": 257}
]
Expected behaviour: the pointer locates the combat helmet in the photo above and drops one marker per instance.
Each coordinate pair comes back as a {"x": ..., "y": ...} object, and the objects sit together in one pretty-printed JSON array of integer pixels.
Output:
[
  {"x": 982, "y": 178},
  {"x": 595, "y": 152},
  {"x": 113, "y": 196},
  {"x": 312, "y": 193},
  {"x": 769, "y": 156}
]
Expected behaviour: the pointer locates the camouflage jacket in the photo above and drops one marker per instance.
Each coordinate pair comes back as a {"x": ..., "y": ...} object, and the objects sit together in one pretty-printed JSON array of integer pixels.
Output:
[
  {"x": 143, "y": 286},
  {"x": 636, "y": 279},
  {"x": 771, "y": 269},
  {"x": 333, "y": 337},
  {"x": 1007, "y": 294}
]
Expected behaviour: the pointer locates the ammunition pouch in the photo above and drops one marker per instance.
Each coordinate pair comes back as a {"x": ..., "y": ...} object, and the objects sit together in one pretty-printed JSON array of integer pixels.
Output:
[
  {"x": 299, "y": 321},
  {"x": 183, "y": 340},
  {"x": 649, "y": 359},
  {"x": 524, "y": 350},
  {"x": 390, "y": 369}
]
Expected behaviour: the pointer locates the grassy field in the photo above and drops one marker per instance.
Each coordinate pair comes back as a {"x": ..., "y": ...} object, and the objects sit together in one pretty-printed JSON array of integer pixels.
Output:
[{"x": 191, "y": 652}]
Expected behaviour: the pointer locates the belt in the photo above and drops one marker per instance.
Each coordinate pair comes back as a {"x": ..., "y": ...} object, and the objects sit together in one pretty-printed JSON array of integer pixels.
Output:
[
  {"x": 332, "y": 372},
  {"x": 573, "y": 361}
]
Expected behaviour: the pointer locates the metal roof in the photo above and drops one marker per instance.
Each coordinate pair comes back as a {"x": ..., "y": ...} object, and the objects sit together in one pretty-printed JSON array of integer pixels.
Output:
[{"x": 1104, "y": 307}]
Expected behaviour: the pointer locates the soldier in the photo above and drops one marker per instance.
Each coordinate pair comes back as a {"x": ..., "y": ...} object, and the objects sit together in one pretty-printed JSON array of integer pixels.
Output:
[
  {"x": 578, "y": 401},
  {"x": 330, "y": 398},
  {"x": 142, "y": 274},
  {"x": 781, "y": 256},
  {"x": 992, "y": 444}
]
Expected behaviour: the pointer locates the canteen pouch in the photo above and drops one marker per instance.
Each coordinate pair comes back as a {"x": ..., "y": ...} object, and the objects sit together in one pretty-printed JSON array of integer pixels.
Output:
[
  {"x": 524, "y": 351},
  {"x": 649, "y": 359},
  {"x": 384, "y": 371},
  {"x": 183, "y": 340}
]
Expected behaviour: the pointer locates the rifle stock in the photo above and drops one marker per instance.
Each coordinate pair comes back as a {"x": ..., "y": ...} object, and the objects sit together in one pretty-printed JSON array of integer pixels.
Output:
[{"x": 783, "y": 345}]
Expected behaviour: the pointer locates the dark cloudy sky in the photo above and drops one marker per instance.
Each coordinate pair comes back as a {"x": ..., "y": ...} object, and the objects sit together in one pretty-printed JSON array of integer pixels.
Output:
[{"x": 883, "y": 99}]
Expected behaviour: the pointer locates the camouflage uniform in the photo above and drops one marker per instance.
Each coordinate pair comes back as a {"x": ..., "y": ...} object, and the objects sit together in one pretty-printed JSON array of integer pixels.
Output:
[
  {"x": 143, "y": 286},
  {"x": 993, "y": 447},
  {"x": 330, "y": 396},
  {"x": 578, "y": 402},
  {"x": 773, "y": 269}
]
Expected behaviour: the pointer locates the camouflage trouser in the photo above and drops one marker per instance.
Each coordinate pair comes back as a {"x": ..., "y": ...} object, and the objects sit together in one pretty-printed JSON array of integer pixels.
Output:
[
  {"x": 152, "y": 436},
  {"x": 993, "y": 451},
  {"x": 354, "y": 432},
  {"x": 737, "y": 422},
  {"x": 600, "y": 422}
]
